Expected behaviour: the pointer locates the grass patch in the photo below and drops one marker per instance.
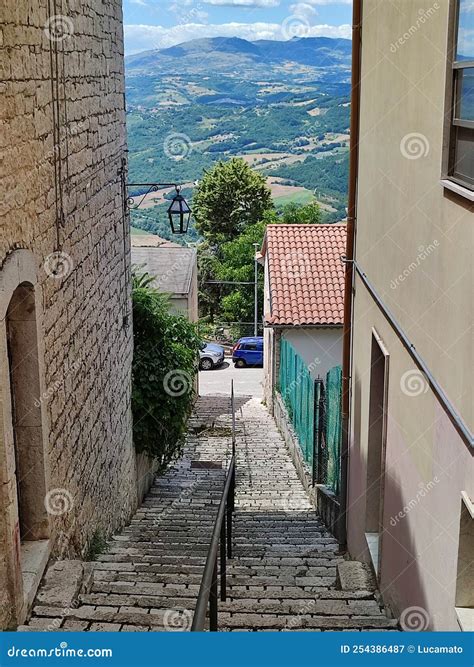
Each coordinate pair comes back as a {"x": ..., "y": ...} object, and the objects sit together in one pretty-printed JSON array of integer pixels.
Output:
[
  {"x": 134, "y": 231},
  {"x": 97, "y": 545},
  {"x": 297, "y": 198}
]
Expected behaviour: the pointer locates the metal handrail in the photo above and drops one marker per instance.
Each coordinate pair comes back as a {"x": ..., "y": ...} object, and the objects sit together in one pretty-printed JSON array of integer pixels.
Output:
[{"x": 221, "y": 540}]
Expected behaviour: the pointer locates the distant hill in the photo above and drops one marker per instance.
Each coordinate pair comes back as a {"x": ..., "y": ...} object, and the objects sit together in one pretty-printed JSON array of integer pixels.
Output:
[
  {"x": 281, "y": 106},
  {"x": 312, "y": 51}
]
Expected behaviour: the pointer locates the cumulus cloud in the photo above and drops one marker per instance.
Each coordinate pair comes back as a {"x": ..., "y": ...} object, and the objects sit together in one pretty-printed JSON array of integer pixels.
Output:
[
  {"x": 147, "y": 37},
  {"x": 303, "y": 9}
]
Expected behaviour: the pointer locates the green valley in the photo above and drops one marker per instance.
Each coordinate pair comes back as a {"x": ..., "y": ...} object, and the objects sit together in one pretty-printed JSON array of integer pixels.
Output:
[{"x": 281, "y": 106}]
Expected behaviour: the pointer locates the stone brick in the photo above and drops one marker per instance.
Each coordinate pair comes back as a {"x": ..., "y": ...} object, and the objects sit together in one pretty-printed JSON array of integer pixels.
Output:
[{"x": 86, "y": 348}]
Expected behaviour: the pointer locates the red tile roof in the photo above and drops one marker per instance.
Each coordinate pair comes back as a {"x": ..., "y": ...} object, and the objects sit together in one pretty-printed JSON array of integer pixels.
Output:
[{"x": 306, "y": 274}]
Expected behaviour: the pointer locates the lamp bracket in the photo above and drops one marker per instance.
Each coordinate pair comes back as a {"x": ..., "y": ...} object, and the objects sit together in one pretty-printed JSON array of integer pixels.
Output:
[{"x": 151, "y": 187}]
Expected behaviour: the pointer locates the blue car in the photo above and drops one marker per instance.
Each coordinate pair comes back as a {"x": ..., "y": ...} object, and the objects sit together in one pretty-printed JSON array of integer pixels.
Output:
[{"x": 248, "y": 352}]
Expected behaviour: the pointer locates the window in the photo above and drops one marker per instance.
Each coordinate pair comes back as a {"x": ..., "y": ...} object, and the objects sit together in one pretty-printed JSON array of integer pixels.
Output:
[{"x": 461, "y": 144}]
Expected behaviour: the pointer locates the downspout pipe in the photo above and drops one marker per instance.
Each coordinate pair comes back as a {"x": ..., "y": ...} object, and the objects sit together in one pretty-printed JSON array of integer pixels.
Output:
[{"x": 349, "y": 268}]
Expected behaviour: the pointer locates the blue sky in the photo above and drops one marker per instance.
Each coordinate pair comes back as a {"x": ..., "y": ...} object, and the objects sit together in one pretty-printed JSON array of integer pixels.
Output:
[{"x": 154, "y": 24}]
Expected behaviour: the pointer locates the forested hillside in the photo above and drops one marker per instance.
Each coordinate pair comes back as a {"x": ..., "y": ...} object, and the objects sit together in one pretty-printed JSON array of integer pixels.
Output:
[{"x": 281, "y": 106}]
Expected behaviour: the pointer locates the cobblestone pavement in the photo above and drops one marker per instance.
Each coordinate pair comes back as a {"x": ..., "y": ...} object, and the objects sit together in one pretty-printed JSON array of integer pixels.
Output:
[{"x": 282, "y": 576}]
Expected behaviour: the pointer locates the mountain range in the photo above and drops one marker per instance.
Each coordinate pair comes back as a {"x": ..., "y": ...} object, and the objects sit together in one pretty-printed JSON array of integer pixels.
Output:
[
  {"x": 283, "y": 107},
  {"x": 311, "y": 51}
]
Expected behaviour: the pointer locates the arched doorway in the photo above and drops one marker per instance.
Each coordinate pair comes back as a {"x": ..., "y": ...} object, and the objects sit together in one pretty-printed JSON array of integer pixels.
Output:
[
  {"x": 24, "y": 521},
  {"x": 25, "y": 390}
]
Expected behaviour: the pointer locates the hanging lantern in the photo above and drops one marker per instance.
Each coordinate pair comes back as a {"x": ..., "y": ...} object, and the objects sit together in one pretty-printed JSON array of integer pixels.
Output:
[{"x": 179, "y": 213}]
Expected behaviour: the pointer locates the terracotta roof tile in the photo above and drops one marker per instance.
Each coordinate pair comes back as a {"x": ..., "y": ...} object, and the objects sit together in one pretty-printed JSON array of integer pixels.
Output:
[{"x": 306, "y": 274}]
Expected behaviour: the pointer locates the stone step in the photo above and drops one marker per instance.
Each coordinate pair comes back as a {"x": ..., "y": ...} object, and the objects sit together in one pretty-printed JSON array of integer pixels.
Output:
[
  {"x": 155, "y": 619},
  {"x": 238, "y": 579},
  {"x": 233, "y": 604},
  {"x": 142, "y": 601},
  {"x": 146, "y": 588},
  {"x": 308, "y": 606},
  {"x": 297, "y": 622}
]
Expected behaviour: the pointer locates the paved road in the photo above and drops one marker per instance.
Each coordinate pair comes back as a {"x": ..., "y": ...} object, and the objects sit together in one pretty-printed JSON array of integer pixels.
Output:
[{"x": 247, "y": 381}]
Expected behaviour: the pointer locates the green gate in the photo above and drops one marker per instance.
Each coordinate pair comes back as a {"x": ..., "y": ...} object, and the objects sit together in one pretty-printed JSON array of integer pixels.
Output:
[
  {"x": 333, "y": 427},
  {"x": 297, "y": 392},
  {"x": 314, "y": 408}
]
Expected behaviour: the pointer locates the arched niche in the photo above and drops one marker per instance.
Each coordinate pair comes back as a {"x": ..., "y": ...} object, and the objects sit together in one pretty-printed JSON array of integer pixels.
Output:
[{"x": 24, "y": 522}]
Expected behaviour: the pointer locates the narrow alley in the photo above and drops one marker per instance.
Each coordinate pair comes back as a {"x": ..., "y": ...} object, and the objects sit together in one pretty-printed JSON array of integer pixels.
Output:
[{"x": 283, "y": 575}]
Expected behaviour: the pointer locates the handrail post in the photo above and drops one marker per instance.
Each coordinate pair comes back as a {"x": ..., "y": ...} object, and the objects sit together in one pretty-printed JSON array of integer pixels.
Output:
[
  {"x": 232, "y": 405},
  {"x": 221, "y": 540},
  {"x": 223, "y": 559},
  {"x": 229, "y": 510},
  {"x": 213, "y": 600}
]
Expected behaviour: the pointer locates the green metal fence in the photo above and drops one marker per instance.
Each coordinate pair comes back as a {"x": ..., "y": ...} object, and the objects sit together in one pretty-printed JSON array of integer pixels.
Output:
[
  {"x": 297, "y": 392},
  {"x": 333, "y": 427},
  {"x": 314, "y": 408}
]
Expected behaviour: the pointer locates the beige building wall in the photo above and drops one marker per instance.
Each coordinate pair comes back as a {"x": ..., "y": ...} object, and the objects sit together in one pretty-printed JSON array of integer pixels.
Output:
[
  {"x": 414, "y": 242},
  {"x": 319, "y": 347},
  {"x": 61, "y": 149}
]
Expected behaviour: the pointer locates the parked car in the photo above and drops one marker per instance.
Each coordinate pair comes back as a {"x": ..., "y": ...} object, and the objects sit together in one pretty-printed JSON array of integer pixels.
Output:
[
  {"x": 210, "y": 356},
  {"x": 248, "y": 352}
]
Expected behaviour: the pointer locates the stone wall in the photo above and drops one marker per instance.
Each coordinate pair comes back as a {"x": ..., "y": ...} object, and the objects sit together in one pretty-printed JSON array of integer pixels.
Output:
[{"x": 62, "y": 143}]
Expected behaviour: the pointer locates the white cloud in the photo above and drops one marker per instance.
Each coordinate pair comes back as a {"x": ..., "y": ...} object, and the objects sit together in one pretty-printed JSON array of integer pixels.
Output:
[
  {"x": 243, "y": 3},
  {"x": 303, "y": 9},
  {"x": 147, "y": 37}
]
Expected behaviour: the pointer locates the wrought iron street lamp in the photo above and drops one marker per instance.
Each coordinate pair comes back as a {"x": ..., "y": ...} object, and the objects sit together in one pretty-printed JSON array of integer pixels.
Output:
[{"x": 179, "y": 212}]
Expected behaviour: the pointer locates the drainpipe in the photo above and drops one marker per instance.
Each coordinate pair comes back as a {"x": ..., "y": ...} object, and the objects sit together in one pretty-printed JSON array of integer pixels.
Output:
[{"x": 349, "y": 271}]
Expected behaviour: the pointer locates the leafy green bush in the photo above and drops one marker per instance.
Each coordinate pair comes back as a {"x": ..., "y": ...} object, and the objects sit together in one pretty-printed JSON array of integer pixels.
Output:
[{"x": 166, "y": 350}]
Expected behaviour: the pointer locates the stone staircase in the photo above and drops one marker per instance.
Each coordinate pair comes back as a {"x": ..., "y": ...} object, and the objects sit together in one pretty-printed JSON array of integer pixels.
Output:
[{"x": 284, "y": 574}]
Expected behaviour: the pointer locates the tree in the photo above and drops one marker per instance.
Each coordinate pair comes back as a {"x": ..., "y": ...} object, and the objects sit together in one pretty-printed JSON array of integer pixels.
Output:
[
  {"x": 295, "y": 214},
  {"x": 301, "y": 214},
  {"x": 237, "y": 264},
  {"x": 165, "y": 355},
  {"x": 230, "y": 197}
]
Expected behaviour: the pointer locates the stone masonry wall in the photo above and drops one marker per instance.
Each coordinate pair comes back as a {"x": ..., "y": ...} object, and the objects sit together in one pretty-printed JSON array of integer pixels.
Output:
[{"x": 62, "y": 139}]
